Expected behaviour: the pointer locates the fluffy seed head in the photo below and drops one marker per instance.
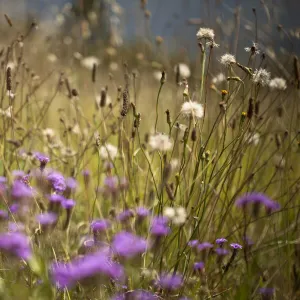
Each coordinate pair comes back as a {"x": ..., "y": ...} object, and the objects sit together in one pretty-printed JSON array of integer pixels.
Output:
[
  {"x": 278, "y": 83},
  {"x": 261, "y": 77},
  {"x": 192, "y": 109},
  {"x": 108, "y": 151},
  {"x": 160, "y": 142},
  {"x": 205, "y": 33},
  {"x": 227, "y": 59}
]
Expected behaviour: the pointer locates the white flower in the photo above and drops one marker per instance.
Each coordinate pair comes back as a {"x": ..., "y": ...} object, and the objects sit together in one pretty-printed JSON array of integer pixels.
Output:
[
  {"x": 253, "y": 49},
  {"x": 254, "y": 138},
  {"x": 52, "y": 57},
  {"x": 160, "y": 142},
  {"x": 227, "y": 59},
  {"x": 169, "y": 212},
  {"x": 180, "y": 216},
  {"x": 177, "y": 215},
  {"x": 206, "y": 33},
  {"x": 261, "y": 77},
  {"x": 184, "y": 70},
  {"x": 11, "y": 65},
  {"x": 192, "y": 109},
  {"x": 218, "y": 78},
  {"x": 108, "y": 151},
  {"x": 89, "y": 61},
  {"x": 212, "y": 44},
  {"x": 48, "y": 132},
  {"x": 278, "y": 83}
]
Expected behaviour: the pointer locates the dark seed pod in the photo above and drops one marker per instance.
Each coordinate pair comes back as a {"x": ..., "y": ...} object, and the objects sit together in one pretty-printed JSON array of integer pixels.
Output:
[
  {"x": 68, "y": 88},
  {"x": 177, "y": 76},
  {"x": 278, "y": 140},
  {"x": 8, "y": 79},
  {"x": 194, "y": 135},
  {"x": 74, "y": 93},
  {"x": 103, "y": 98},
  {"x": 125, "y": 106},
  {"x": 250, "y": 109},
  {"x": 137, "y": 121},
  {"x": 169, "y": 192},
  {"x": 169, "y": 121},
  {"x": 297, "y": 72},
  {"x": 94, "y": 71},
  {"x": 163, "y": 77}
]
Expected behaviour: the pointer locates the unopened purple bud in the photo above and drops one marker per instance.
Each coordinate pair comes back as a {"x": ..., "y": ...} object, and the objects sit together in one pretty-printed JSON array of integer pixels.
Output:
[
  {"x": 100, "y": 225},
  {"x": 43, "y": 159},
  {"x": 142, "y": 212},
  {"x": 125, "y": 215}
]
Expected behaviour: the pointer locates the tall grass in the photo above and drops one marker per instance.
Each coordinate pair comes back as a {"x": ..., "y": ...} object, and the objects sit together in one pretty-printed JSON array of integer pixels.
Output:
[{"x": 117, "y": 184}]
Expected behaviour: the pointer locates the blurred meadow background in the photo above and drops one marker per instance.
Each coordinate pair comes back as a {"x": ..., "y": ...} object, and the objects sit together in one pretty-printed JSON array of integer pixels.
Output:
[{"x": 149, "y": 149}]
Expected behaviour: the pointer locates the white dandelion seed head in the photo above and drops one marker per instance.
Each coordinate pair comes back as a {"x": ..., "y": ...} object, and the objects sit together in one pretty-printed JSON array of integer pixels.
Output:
[
  {"x": 174, "y": 163},
  {"x": 7, "y": 112},
  {"x": 180, "y": 216},
  {"x": 160, "y": 142},
  {"x": 206, "y": 33},
  {"x": 184, "y": 70},
  {"x": 113, "y": 66},
  {"x": 11, "y": 65},
  {"x": 261, "y": 76},
  {"x": 227, "y": 59},
  {"x": 89, "y": 61},
  {"x": 77, "y": 55},
  {"x": 192, "y": 109},
  {"x": 108, "y": 151},
  {"x": 169, "y": 212},
  {"x": 218, "y": 78},
  {"x": 278, "y": 83}
]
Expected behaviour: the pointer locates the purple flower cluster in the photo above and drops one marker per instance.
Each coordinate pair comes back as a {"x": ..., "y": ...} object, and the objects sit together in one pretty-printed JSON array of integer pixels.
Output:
[
  {"x": 257, "y": 199},
  {"x": 170, "y": 281},
  {"x": 68, "y": 274},
  {"x": 17, "y": 244},
  {"x": 136, "y": 295},
  {"x": 57, "y": 181},
  {"x": 159, "y": 226},
  {"x": 128, "y": 245},
  {"x": 20, "y": 191}
]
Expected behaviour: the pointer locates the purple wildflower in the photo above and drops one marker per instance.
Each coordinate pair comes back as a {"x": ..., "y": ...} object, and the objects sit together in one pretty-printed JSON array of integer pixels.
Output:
[
  {"x": 67, "y": 275},
  {"x": 111, "y": 183},
  {"x": 21, "y": 191},
  {"x": 100, "y": 225},
  {"x": 15, "y": 227},
  {"x": 159, "y": 226},
  {"x": 266, "y": 293},
  {"x": 128, "y": 245},
  {"x": 199, "y": 265},
  {"x": 142, "y": 212},
  {"x": 56, "y": 198},
  {"x": 14, "y": 208},
  {"x": 3, "y": 214},
  {"x": 222, "y": 251},
  {"x": 125, "y": 215},
  {"x": 71, "y": 183},
  {"x": 256, "y": 199},
  {"x": 68, "y": 204},
  {"x": 42, "y": 158},
  {"x": 48, "y": 218},
  {"x": 170, "y": 281},
  {"x": 193, "y": 243},
  {"x": 236, "y": 246},
  {"x": 16, "y": 243},
  {"x": 204, "y": 246},
  {"x": 57, "y": 181},
  {"x": 221, "y": 241}
]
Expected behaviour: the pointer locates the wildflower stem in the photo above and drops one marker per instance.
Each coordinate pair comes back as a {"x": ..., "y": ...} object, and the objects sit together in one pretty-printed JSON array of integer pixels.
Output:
[
  {"x": 203, "y": 74},
  {"x": 156, "y": 109}
]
